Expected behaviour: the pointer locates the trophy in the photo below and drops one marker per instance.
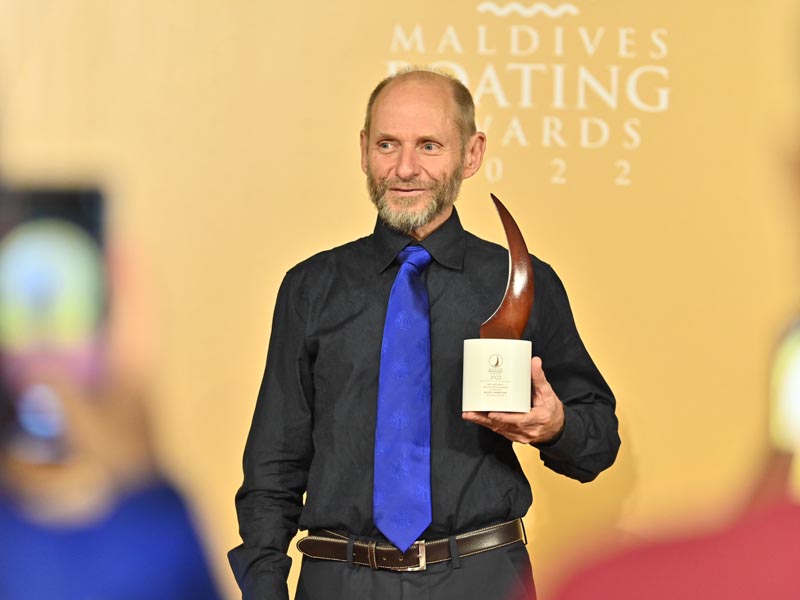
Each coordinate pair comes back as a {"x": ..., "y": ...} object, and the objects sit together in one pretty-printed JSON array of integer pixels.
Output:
[{"x": 497, "y": 366}]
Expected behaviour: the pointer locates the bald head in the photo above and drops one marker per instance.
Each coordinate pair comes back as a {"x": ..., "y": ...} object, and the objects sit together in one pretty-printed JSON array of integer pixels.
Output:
[{"x": 463, "y": 105}]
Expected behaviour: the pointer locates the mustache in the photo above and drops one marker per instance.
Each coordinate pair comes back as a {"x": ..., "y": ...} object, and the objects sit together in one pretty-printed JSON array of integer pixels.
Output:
[{"x": 406, "y": 184}]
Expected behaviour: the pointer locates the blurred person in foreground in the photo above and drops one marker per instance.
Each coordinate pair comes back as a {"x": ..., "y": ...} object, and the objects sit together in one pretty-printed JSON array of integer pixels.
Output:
[
  {"x": 408, "y": 497},
  {"x": 84, "y": 513},
  {"x": 756, "y": 554}
]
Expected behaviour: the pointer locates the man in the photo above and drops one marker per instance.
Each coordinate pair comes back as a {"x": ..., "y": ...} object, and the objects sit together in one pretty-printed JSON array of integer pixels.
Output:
[{"x": 324, "y": 421}]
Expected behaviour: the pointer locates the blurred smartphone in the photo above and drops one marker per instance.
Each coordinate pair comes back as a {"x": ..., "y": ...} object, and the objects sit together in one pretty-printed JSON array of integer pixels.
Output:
[{"x": 53, "y": 307}]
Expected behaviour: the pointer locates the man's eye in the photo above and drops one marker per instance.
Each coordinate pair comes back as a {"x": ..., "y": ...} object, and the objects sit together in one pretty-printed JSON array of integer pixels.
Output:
[
  {"x": 429, "y": 147},
  {"x": 384, "y": 145}
]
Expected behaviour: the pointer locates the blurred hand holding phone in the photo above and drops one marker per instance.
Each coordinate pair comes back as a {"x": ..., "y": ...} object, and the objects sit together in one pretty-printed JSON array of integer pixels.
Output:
[
  {"x": 81, "y": 498},
  {"x": 53, "y": 309}
]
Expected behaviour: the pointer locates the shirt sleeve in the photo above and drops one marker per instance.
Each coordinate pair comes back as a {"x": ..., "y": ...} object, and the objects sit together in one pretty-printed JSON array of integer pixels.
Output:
[
  {"x": 590, "y": 440},
  {"x": 277, "y": 454}
]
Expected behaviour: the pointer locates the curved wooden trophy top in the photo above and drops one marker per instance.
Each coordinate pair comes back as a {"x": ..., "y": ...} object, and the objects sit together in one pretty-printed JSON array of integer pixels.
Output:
[{"x": 510, "y": 318}]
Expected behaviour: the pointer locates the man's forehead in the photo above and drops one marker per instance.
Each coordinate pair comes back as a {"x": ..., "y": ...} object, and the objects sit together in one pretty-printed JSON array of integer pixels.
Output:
[
  {"x": 430, "y": 85},
  {"x": 423, "y": 97}
]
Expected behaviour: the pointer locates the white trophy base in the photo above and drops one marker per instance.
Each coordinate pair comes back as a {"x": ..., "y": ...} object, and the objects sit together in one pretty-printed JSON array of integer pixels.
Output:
[{"x": 497, "y": 375}]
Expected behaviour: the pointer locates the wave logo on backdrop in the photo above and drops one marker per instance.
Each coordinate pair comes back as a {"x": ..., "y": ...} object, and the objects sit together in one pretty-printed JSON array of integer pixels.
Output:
[
  {"x": 551, "y": 82},
  {"x": 531, "y": 11}
]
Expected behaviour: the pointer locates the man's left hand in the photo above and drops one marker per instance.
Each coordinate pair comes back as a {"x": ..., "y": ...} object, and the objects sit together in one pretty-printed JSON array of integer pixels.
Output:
[{"x": 543, "y": 423}]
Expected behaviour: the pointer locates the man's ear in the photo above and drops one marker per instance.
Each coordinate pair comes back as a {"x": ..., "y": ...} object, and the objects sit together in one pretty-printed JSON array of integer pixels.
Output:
[
  {"x": 473, "y": 157},
  {"x": 364, "y": 160}
]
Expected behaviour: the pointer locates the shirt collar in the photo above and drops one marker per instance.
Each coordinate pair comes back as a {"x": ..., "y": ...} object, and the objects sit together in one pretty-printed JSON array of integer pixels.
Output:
[{"x": 446, "y": 244}]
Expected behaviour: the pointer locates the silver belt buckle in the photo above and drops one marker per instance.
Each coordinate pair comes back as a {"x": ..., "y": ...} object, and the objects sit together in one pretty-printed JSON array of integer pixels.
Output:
[{"x": 423, "y": 564}]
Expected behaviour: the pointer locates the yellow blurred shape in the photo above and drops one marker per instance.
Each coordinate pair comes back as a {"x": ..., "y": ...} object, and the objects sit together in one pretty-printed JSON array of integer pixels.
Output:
[
  {"x": 785, "y": 401},
  {"x": 51, "y": 286}
]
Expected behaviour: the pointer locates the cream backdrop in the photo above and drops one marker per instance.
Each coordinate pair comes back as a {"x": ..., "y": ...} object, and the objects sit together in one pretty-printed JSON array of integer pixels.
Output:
[{"x": 642, "y": 148}]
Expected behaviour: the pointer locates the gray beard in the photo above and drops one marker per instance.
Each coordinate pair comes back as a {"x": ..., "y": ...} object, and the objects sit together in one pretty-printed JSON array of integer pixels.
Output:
[{"x": 443, "y": 196}]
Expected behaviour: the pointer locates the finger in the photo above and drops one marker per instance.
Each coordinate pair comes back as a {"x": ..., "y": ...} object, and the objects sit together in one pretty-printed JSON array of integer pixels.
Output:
[
  {"x": 508, "y": 418},
  {"x": 537, "y": 373},
  {"x": 480, "y": 419},
  {"x": 476, "y": 417}
]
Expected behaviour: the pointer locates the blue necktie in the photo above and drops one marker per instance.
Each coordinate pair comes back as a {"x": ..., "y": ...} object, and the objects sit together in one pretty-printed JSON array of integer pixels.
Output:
[{"x": 401, "y": 499}]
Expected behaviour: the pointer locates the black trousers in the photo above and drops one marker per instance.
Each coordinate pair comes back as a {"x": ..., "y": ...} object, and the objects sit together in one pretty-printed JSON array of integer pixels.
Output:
[{"x": 500, "y": 574}]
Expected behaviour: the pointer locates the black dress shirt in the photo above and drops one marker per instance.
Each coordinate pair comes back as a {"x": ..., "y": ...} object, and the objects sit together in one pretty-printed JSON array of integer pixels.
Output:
[{"x": 314, "y": 424}]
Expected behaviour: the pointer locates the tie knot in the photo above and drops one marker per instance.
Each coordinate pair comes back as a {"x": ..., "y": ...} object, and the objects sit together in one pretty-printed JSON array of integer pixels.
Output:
[{"x": 416, "y": 256}]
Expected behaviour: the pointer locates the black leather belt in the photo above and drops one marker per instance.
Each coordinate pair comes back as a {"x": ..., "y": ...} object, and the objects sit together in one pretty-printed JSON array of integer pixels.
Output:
[{"x": 329, "y": 545}]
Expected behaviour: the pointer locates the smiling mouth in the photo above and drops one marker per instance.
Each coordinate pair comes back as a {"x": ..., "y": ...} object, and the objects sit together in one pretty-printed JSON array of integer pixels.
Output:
[{"x": 407, "y": 190}]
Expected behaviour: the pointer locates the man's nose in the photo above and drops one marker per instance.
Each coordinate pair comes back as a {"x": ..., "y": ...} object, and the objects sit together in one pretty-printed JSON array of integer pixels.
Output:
[{"x": 408, "y": 164}]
